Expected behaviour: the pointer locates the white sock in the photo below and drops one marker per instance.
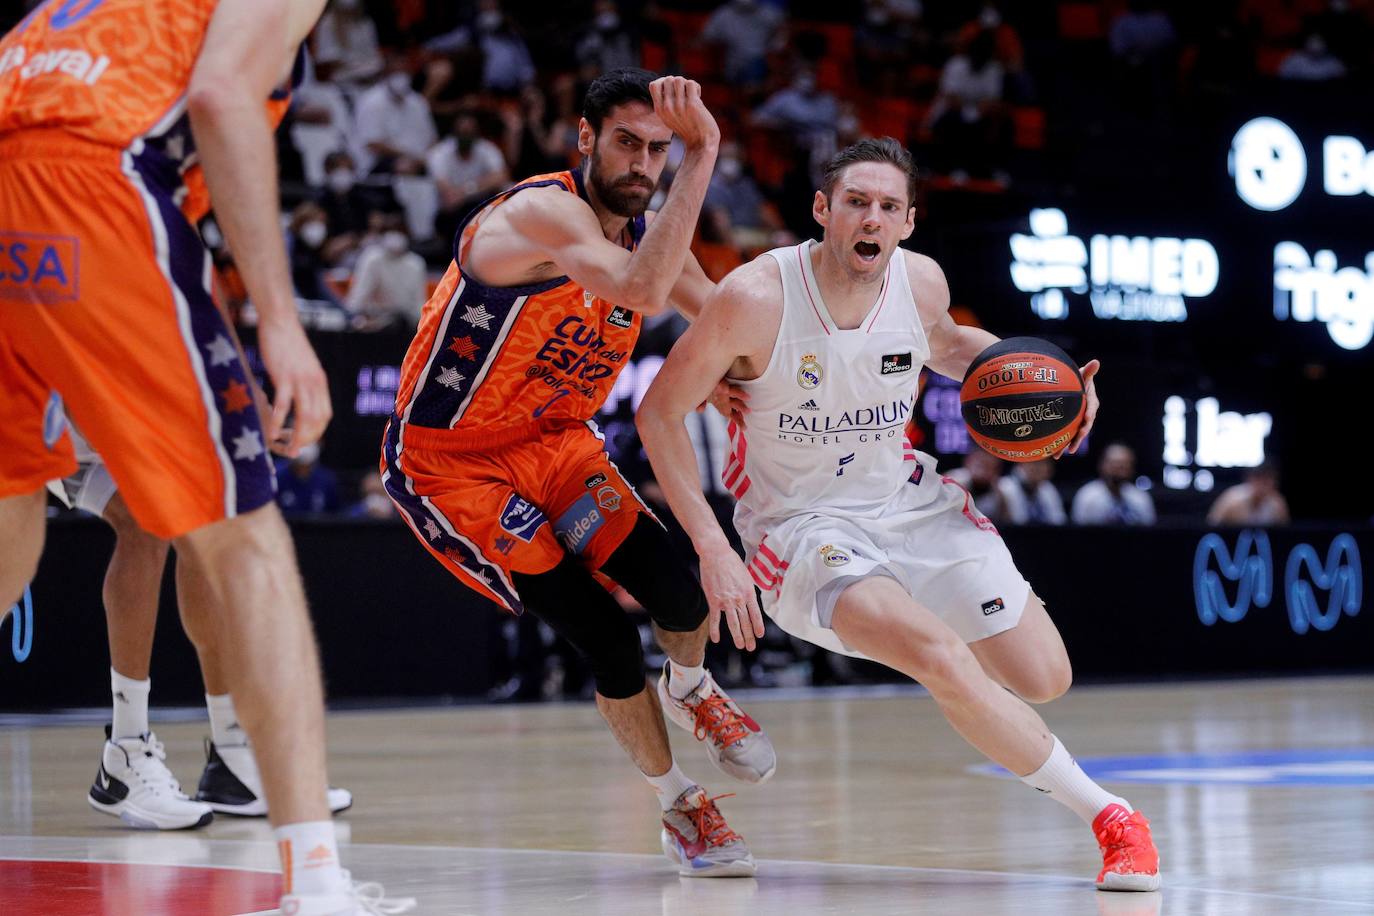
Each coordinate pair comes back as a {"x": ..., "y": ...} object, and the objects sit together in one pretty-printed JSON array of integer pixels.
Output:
[
  {"x": 1060, "y": 778},
  {"x": 130, "y": 705},
  {"x": 670, "y": 786},
  {"x": 309, "y": 858},
  {"x": 225, "y": 730},
  {"x": 683, "y": 680}
]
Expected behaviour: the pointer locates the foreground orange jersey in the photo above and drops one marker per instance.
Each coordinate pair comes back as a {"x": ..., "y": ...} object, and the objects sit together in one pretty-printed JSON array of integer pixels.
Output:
[
  {"x": 104, "y": 298},
  {"x": 492, "y": 365},
  {"x": 106, "y": 71}
]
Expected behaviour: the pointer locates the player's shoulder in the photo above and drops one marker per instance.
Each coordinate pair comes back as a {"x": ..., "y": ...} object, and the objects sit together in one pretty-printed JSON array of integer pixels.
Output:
[
  {"x": 548, "y": 208},
  {"x": 923, "y": 270},
  {"x": 754, "y": 284}
]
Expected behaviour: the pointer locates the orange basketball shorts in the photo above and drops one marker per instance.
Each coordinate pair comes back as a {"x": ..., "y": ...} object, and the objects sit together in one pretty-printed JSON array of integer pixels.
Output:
[
  {"x": 517, "y": 508},
  {"x": 105, "y": 309}
]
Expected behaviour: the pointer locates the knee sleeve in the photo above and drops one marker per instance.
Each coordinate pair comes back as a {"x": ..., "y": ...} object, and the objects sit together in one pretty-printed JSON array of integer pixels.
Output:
[
  {"x": 650, "y": 567},
  {"x": 570, "y": 601}
]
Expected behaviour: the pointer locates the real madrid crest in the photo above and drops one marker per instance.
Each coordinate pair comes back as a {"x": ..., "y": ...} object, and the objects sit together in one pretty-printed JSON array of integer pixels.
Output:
[
  {"x": 833, "y": 556},
  {"x": 810, "y": 374}
]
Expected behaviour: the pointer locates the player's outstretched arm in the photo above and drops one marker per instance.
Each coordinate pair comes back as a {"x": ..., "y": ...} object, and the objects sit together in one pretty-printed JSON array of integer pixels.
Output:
[
  {"x": 953, "y": 347},
  {"x": 733, "y": 324},
  {"x": 248, "y": 51},
  {"x": 568, "y": 232}
]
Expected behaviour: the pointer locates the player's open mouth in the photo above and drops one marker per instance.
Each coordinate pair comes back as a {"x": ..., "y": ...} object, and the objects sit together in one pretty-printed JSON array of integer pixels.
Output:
[{"x": 867, "y": 251}]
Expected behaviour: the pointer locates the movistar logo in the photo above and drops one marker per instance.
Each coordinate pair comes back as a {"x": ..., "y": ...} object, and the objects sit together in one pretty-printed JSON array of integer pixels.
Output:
[{"x": 1249, "y": 571}]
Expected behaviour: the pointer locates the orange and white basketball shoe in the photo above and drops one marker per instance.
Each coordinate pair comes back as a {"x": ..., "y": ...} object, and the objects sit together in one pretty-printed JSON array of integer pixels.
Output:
[
  {"x": 734, "y": 741},
  {"x": 698, "y": 841},
  {"x": 360, "y": 898},
  {"x": 1130, "y": 861}
]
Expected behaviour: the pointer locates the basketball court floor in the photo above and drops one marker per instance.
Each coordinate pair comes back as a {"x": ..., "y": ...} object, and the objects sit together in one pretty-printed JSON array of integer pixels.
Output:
[{"x": 1259, "y": 793}]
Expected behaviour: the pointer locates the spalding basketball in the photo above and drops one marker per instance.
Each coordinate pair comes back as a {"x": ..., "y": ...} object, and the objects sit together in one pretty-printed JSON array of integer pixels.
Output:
[{"x": 1022, "y": 399}]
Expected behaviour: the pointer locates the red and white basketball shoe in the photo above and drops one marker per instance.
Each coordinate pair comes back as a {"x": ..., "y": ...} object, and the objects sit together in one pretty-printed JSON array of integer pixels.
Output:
[
  {"x": 1130, "y": 861},
  {"x": 734, "y": 741}
]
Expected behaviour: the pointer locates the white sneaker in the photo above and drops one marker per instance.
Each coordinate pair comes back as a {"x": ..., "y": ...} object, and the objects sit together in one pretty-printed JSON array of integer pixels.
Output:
[
  {"x": 698, "y": 841},
  {"x": 734, "y": 741},
  {"x": 134, "y": 785},
  {"x": 363, "y": 898},
  {"x": 231, "y": 783}
]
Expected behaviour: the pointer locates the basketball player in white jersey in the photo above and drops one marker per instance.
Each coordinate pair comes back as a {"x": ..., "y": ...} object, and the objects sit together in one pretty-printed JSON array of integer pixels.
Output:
[
  {"x": 855, "y": 541},
  {"x": 133, "y": 782}
]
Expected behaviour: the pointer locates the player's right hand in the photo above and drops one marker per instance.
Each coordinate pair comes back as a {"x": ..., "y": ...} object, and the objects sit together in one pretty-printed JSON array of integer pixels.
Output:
[
  {"x": 730, "y": 594},
  {"x": 298, "y": 382},
  {"x": 677, "y": 102}
]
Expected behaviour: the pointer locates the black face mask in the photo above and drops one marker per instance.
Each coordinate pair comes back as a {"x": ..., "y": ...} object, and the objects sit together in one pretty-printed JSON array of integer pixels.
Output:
[{"x": 465, "y": 144}]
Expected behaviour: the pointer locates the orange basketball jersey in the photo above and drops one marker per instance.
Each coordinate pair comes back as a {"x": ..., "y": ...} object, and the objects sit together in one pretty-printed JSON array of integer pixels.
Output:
[
  {"x": 490, "y": 366},
  {"x": 114, "y": 73}
]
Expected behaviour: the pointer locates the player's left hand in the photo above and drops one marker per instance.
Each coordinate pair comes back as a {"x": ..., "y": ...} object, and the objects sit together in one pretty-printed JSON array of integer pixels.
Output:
[
  {"x": 1089, "y": 415},
  {"x": 277, "y": 445},
  {"x": 730, "y": 401}
]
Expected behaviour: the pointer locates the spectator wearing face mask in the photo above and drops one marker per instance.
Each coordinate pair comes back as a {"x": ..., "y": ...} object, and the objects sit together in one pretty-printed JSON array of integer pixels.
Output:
[
  {"x": 746, "y": 31},
  {"x": 467, "y": 168},
  {"x": 752, "y": 221},
  {"x": 1113, "y": 498},
  {"x": 608, "y": 43},
  {"x": 506, "y": 63},
  {"x": 306, "y": 236},
  {"x": 374, "y": 504},
  {"x": 345, "y": 44},
  {"x": 1032, "y": 497},
  {"x": 981, "y": 476},
  {"x": 1256, "y": 501},
  {"x": 395, "y": 127},
  {"x": 304, "y": 486},
  {"x": 800, "y": 108},
  {"x": 348, "y": 204},
  {"x": 389, "y": 283}
]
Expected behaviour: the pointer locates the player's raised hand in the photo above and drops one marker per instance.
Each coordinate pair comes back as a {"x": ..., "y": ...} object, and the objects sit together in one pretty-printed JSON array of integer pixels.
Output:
[
  {"x": 677, "y": 101},
  {"x": 1090, "y": 414},
  {"x": 298, "y": 382},
  {"x": 730, "y": 594}
]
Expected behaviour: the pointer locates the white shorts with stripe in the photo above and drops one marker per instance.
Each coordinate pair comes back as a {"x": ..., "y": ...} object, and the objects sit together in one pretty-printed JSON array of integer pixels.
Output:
[
  {"x": 943, "y": 552},
  {"x": 91, "y": 488}
]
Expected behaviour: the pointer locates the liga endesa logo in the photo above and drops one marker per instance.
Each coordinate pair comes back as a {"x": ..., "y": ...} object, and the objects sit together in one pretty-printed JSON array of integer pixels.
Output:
[{"x": 1248, "y": 571}]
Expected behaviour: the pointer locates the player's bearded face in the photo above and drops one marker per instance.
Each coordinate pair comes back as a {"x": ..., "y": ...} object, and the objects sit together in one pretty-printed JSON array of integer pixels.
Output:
[{"x": 625, "y": 195}]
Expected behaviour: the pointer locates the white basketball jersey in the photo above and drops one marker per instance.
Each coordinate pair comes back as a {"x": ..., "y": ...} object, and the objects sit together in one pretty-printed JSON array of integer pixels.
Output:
[{"x": 825, "y": 431}]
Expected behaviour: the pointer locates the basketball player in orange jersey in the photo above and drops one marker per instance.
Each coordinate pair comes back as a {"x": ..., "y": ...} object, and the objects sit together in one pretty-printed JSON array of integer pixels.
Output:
[
  {"x": 856, "y": 542},
  {"x": 104, "y": 104},
  {"x": 495, "y": 463}
]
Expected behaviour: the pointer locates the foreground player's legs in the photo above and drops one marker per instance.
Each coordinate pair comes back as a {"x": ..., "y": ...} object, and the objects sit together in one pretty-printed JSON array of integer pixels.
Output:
[
  {"x": 648, "y": 566},
  {"x": 876, "y": 617},
  {"x": 21, "y": 531},
  {"x": 133, "y": 782},
  {"x": 567, "y": 598},
  {"x": 274, "y": 674},
  {"x": 1029, "y": 659}
]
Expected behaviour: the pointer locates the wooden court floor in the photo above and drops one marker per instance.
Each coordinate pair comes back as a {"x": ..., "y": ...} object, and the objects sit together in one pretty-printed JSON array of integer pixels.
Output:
[{"x": 1261, "y": 794}]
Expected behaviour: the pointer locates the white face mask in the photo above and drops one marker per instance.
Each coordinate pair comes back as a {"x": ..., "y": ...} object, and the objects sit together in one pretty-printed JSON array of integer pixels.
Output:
[
  {"x": 990, "y": 18},
  {"x": 394, "y": 242},
  {"x": 377, "y": 504},
  {"x": 347, "y": 5},
  {"x": 489, "y": 20},
  {"x": 729, "y": 168},
  {"x": 309, "y": 454},
  {"x": 313, "y": 233},
  {"x": 341, "y": 181},
  {"x": 607, "y": 21},
  {"x": 398, "y": 83}
]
